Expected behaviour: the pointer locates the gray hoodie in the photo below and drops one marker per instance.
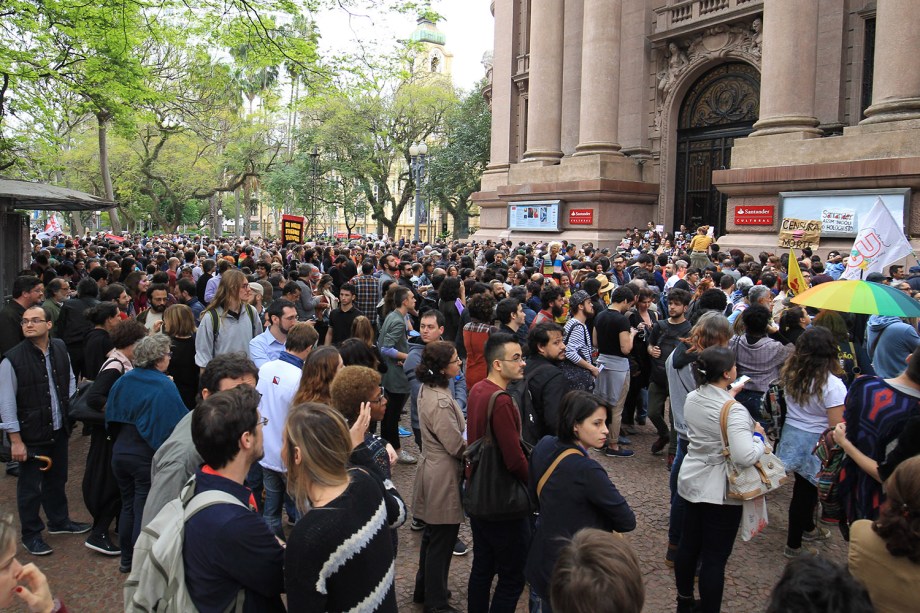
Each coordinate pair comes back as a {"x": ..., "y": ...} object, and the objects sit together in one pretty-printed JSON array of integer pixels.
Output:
[{"x": 889, "y": 353}]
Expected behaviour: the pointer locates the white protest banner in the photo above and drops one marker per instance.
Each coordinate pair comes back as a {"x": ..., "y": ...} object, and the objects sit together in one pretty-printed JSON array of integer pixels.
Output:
[
  {"x": 879, "y": 243},
  {"x": 838, "y": 221}
]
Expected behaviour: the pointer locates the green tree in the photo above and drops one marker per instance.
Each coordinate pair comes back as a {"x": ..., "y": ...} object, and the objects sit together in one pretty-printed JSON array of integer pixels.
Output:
[{"x": 457, "y": 160}]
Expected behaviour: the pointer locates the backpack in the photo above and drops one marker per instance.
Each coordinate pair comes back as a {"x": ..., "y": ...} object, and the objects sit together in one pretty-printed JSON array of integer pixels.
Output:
[
  {"x": 532, "y": 426},
  {"x": 157, "y": 579},
  {"x": 215, "y": 325},
  {"x": 666, "y": 337}
]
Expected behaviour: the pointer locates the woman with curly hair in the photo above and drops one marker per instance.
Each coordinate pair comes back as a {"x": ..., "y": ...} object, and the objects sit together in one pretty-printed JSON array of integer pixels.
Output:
[
  {"x": 318, "y": 372},
  {"x": 815, "y": 394},
  {"x": 885, "y": 553}
]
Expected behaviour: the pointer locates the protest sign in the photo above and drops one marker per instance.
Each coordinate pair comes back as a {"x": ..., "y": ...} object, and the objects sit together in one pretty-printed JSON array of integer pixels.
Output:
[
  {"x": 838, "y": 221},
  {"x": 292, "y": 228},
  {"x": 799, "y": 233}
]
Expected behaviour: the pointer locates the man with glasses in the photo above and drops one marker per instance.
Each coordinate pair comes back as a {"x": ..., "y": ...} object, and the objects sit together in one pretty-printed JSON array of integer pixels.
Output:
[
  {"x": 227, "y": 547},
  {"x": 34, "y": 415},
  {"x": 620, "y": 276},
  {"x": 499, "y": 547},
  {"x": 282, "y": 316},
  {"x": 278, "y": 382}
]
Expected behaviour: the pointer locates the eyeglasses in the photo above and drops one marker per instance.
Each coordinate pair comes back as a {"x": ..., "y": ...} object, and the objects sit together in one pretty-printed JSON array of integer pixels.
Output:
[
  {"x": 515, "y": 358},
  {"x": 262, "y": 421},
  {"x": 380, "y": 397},
  {"x": 35, "y": 321}
]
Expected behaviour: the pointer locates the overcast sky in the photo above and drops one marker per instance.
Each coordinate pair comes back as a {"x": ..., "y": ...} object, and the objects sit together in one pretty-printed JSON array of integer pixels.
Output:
[{"x": 467, "y": 24}]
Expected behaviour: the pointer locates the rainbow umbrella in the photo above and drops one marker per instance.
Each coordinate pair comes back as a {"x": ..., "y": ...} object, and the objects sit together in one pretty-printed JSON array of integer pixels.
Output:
[{"x": 859, "y": 297}]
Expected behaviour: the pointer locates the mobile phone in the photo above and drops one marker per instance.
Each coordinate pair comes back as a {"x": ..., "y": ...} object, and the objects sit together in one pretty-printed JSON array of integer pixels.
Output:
[{"x": 739, "y": 381}]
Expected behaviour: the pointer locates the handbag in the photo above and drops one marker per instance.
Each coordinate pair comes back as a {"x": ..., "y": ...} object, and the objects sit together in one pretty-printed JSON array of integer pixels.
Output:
[
  {"x": 492, "y": 493},
  {"x": 766, "y": 475},
  {"x": 828, "y": 477},
  {"x": 577, "y": 377},
  {"x": 79, "y": 410}
]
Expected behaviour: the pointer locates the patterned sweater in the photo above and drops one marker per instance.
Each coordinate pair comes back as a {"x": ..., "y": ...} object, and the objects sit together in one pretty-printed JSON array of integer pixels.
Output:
[{"x": 340, "y": 557}]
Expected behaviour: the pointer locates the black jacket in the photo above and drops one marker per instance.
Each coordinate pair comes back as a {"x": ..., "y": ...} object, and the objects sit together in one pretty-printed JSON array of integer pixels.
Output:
[
  {"x": 72, "y": 325},
  {"x": 547, "y": 386},
  {"x": 10, "y": 328},
  {"x": 33, "y": 391}
]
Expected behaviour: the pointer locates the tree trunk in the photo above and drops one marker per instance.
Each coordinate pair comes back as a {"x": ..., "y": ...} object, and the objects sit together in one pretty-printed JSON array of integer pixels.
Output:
[
  {"x": 461, "y": 223},
  {"x": 103, "y": 117}
]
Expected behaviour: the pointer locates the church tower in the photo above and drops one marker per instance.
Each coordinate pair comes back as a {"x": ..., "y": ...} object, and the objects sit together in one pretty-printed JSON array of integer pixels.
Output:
[{"x": 433, "y": 56}]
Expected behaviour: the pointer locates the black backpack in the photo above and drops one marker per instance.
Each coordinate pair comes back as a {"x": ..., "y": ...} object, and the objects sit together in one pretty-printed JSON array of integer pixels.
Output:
[{"x": 532, "y": 425}]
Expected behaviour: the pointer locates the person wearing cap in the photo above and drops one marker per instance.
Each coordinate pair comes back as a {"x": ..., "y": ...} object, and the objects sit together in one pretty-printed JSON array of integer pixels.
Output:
[
  {"x": 913, "y": 278},
  {"x": 579, "y": 369}
]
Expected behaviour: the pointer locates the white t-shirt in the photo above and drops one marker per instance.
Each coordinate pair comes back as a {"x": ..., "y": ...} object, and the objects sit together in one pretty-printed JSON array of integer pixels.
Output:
[{"x": 812, "y": 417}]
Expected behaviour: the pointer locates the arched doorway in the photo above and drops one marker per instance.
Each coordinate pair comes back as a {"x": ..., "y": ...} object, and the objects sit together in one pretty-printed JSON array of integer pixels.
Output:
[{"x": 721, "y": 106}]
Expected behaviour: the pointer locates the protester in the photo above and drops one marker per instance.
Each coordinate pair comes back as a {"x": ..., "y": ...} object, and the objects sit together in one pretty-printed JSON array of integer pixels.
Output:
[
  {"x": 544, "y": 378},
  {"x": 394, "y": 346},
  {"x": 319, "y": 370},
  {"x": 179, "y": 326},
  {"x": 614, "y": 340},
  {"x": 579, "y": 369},
  {"x": 711, "y": 519},
  {"x": 98, "y": 343},
  {"x": 759, "y": 357},
  {"x": 143, "y": 408},
  {"x": 228, "y": 323},
  {"x": 339, "y": 556},
  {"x": 810, "y": 583},
  {"x": 572, "y": 493}
]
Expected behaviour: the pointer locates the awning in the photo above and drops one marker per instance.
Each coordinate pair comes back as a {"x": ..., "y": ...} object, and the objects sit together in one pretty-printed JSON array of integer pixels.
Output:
[{"x": 28, "y": 196}]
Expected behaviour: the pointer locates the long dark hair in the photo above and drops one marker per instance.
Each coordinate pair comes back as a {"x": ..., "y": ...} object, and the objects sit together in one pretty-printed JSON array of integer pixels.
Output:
[
  {"x": 712, "y": 364},
  {"x": 816, "y": 357}
]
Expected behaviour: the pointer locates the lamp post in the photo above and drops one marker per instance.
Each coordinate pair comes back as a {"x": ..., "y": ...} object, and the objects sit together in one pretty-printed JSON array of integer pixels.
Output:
[
  {"x": 314, "y": 159},
  {"x": 417, "y": 153}
]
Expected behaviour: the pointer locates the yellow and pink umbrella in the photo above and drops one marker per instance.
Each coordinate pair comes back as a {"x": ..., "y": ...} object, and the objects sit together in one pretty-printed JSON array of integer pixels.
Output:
[{"x": 859, "y": 297}]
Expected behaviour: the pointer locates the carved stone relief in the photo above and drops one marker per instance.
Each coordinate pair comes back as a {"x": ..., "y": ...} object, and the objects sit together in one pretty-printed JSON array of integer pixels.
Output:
[{"x": 740, "y": 41}]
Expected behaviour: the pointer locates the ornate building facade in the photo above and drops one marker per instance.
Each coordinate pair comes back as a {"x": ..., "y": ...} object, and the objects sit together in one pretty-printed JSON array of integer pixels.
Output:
[{"x": 622, "y": 112}]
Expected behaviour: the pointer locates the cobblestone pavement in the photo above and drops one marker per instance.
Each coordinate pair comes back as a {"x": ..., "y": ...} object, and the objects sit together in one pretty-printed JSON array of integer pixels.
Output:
[{"x": 87, "y": 581}]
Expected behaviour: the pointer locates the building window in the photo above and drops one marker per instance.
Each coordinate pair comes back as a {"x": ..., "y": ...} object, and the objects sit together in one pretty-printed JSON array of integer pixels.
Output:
[{"x": 435, "y": 64}]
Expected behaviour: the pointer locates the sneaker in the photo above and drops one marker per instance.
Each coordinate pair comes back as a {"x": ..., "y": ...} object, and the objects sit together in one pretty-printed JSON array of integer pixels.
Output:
[
  {"x": 37, "y": 546},
  {"x": 102, "y": 544},
  {"x": 628, "y": 430},
  {"x": 417, "y": 525},
  {"x": 124, "y": 569},
  {"x": 818, "y": 534},
  {"x": 641, "y": 421},
  {"x": 623, "y": 440},
  {"x": 660, "y": 443},
  {"x": 403, "y": 433},
  {"x": 406, "y": 458},
  {"x": 12, "y": 469},
  {"x": 71, "y": 527},
  {"x": 460, "y": 548},
  {"x": 618, "y": 453},
  {"x": 791, "y": 553}
]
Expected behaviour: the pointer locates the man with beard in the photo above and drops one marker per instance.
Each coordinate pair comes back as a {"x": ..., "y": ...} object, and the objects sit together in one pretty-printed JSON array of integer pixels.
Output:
[
  {"x": 543, "y": 374},
  {"x": 158, "y": 297},
  {"x": 282, "y": 315},
  {"x": 341, "y": 318},
  {"x": 552, "y": 305},
  {"x": 390, "y": 266},
  {"x": 228, "y": 547}
]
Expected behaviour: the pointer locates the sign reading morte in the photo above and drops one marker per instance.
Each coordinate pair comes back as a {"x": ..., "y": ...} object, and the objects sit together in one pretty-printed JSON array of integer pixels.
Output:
[{"x": 799, "y": 233}]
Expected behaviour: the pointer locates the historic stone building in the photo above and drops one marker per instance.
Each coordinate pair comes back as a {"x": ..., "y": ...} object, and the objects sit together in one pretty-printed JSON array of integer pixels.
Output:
[{"x": 623, "y": 112}]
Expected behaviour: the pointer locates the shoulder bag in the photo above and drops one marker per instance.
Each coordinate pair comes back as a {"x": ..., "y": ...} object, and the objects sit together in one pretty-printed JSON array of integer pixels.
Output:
[
  {"x": 492, "y": 492},
  {"x": 79, "y": 410},
  {"x": 766, "y": 475},
  {"x": 552, "y": 467},
  {"x": 579, "y": 378}
]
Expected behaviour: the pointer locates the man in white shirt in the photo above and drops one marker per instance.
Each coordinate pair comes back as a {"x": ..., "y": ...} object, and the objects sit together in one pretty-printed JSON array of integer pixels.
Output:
[{"x": 278, "y": 382}]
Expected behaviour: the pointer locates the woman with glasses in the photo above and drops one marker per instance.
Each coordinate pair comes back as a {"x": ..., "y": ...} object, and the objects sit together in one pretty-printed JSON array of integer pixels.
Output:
[
  {"x": 143, "y": 408},
  {"x": 436, "y": 500}
]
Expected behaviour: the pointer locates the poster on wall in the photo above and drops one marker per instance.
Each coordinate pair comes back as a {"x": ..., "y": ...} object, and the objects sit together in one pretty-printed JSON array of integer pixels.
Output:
[
  {"x": 838, "y": 221},
  {"x": 839, "y": 211},
  {"x": 292, "y": 227},
  {"x": 536, "y": 216},
  {"x": 799, "y": 233}
]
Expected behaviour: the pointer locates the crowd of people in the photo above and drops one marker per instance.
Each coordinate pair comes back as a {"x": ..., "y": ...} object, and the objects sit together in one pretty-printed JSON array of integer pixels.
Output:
[{"x": 260, "y": 374}]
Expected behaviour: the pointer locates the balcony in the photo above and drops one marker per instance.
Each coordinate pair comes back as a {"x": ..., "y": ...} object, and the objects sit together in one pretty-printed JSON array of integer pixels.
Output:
[{"x": 687, "y": 14}]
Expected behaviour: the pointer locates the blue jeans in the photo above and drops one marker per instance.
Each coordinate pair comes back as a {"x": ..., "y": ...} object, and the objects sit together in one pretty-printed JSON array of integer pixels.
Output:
[
  {"x": 499, "y": 548},
  {"x": 539, "y": 604},
  {"x": 753, "y": 402},
  {"x": 678, "y": 504},
  {"x": 276, "y": 496},
  {"x": 254, "y": 482}
]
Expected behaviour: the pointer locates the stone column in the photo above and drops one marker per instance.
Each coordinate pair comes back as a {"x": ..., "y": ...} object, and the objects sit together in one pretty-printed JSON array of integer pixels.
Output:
[
  {"x": 600, "y": 78},
  {"x": 896, "y": 81},
  {"x": 544, "y": 114},
  {"x": 788, "y": 68},
  {"x": 502, "y": 70}
]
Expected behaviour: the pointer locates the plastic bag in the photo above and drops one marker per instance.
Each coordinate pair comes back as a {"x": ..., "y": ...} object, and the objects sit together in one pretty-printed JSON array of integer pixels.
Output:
[{"x": 753, "y": 517}]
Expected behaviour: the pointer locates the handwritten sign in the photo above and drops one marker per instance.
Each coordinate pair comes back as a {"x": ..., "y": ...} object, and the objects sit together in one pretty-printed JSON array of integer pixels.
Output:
[
  {"x": 292, "y": 227},
  {"x": 838, "y": 221},
  {"x": 799, "y": 233}
]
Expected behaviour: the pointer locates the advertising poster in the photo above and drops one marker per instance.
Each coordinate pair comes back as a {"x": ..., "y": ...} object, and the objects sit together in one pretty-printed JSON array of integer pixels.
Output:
[{"x": 534, "y": 216}]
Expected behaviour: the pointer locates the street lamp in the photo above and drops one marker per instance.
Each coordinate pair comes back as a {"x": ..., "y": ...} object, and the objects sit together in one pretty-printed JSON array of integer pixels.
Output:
[
  {"x": 417, "y": 153},
  {"x": 314, "y": 158}
]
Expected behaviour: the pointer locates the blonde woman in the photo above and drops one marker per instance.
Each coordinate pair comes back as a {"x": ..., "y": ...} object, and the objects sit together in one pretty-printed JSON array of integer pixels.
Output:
[{"x": 339, "y": 557}]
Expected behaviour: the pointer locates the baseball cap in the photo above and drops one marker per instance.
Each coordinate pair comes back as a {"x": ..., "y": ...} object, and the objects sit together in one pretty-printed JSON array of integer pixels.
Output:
[{"x": 577, "y": 298}]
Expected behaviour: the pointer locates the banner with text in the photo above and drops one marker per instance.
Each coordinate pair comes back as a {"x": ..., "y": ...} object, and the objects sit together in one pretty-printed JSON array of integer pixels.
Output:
[
  {"x": 292, "y": 227},
  {"x": 799, "y": 233},
  {"x": 838, "y": 221}
]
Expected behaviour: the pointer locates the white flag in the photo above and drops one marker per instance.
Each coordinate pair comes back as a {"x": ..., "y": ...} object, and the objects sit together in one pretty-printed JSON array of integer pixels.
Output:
[{"x": 879, "y": 243}]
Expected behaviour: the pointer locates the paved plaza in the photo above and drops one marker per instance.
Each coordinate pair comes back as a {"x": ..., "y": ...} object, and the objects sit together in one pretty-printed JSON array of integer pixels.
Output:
[{"x": 89, "y": 582}]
